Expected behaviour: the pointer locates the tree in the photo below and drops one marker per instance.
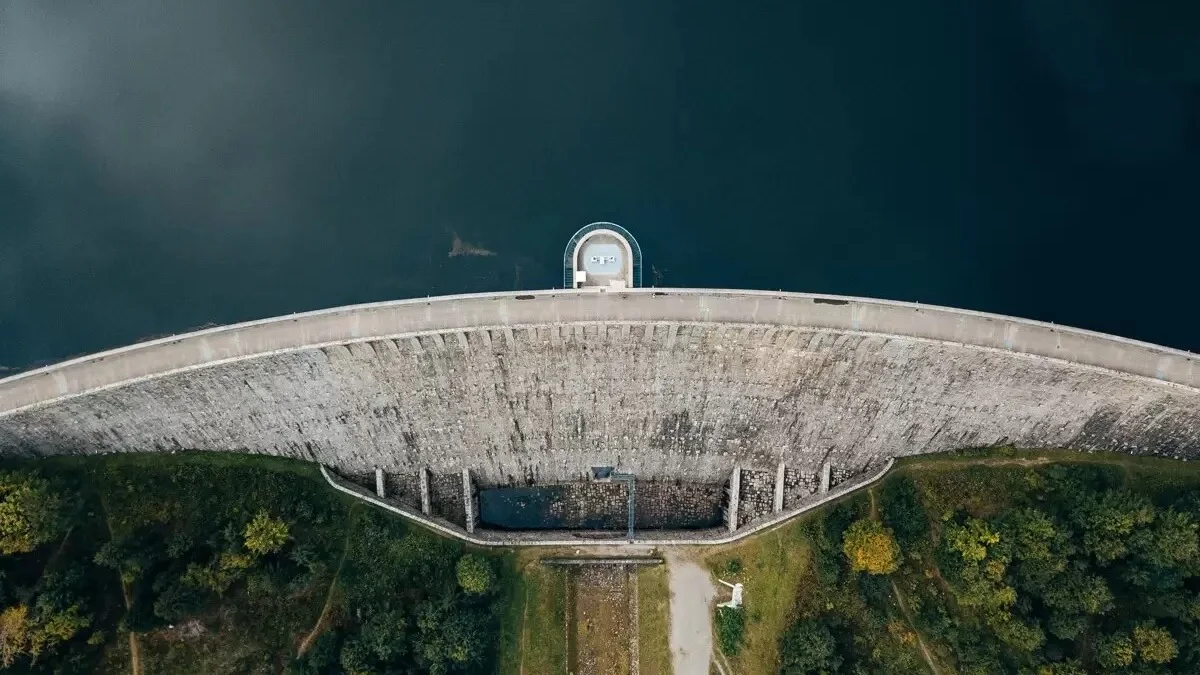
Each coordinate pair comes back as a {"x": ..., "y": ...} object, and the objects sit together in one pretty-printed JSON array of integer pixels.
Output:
[
  {"x": 14, "y": 633},
  {"x": 31, "y": 513},
  {"x": 220, "y": 573},
  {"x": 265, "y": 534},
  {"x": 1040, "y": 546},
  {"x": 384, "y": 634},
  {"x": 1171, "y": 542},
  {"x": 1154, "y": 644},
  {"x": 1062, "y": 668},
  {"x": 1108, "y": 521},
  {"x": 450, "y": 636},
  {"x": 808, "y": 647},
  {"x": 871, "y": 547},
  {"x": 1078, "y": 593},
  {"x": 971, "y": 539},
  {"x": 475, "y": 574},
  {"x": 1114, "y": 651},
  {"x": 178, "y": 601},
  {"x": 902, "y": 510}
]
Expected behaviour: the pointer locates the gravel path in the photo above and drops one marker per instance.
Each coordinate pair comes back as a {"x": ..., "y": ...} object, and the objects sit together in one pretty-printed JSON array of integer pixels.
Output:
[{"x": 692, "y": 594}]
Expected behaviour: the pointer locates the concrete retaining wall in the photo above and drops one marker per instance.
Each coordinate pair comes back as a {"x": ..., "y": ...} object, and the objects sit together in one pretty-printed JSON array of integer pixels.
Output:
[
  {"x": 663, "y": 384},
  {"x": 710, "y": 537}
]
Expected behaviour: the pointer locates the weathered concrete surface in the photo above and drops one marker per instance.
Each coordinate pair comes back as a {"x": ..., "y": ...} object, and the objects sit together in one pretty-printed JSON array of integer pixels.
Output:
[
  {"x": 692, "y": 594},
  {"x": 662, "y": 384}
]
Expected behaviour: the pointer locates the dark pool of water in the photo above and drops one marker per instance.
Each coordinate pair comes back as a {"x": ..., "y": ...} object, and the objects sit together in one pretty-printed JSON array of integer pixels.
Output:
[{"x": 168, "y": 165}]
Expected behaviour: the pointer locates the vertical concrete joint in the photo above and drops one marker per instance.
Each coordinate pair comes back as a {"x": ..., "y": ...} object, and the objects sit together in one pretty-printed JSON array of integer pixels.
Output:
[
  {"x": 379, "y": 490},
  {"x": 735, "y": 487},
  {"x": 425, "y": 501},
  {"x": 469, "y": 500},
  {"x": 826, "y": 471},
  {"x": 779, "y": 474}
]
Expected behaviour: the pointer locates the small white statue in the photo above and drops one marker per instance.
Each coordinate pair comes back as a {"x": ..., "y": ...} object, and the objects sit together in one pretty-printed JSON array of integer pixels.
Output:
[{"x": 736, "y": 601}]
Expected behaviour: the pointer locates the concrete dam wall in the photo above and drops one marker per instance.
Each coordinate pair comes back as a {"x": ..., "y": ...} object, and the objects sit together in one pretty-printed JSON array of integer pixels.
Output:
[
  {"x": 665, "y": 384},
  {"x": 753, "y": 404}
]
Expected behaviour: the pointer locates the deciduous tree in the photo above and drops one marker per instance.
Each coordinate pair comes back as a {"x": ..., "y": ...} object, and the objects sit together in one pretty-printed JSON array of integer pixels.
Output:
[
  {"x": 265, "y": 534},
  {"x": 31, "y": 513},
  {"x": 871, "y": 547}
]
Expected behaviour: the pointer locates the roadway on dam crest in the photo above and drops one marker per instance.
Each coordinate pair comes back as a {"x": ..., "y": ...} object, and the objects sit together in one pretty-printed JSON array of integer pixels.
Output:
[{"x": 508, "y": 311}]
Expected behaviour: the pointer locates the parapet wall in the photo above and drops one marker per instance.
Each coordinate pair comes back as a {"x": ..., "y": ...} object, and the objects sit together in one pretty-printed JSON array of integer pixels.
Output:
[{"x": 659, "y": 383}]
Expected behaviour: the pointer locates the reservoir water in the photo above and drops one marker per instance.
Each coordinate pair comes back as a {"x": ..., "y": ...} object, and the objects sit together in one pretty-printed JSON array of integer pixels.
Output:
[{"x": 174, "y": 164}]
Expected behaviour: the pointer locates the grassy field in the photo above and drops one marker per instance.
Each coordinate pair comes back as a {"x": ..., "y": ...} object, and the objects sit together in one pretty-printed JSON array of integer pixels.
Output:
[
  {"x": 770, "y": 566},
  {"x": 654, "y": 634},
  {"x": 535, "y": 641}
]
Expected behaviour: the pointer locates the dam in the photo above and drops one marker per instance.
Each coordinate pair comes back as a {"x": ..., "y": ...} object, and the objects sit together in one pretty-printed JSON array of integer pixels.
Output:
[{"x": 727, "y": 407}]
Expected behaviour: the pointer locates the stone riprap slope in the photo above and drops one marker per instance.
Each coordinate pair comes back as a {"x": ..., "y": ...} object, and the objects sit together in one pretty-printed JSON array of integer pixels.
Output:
[{"x": 663, "y": 384}]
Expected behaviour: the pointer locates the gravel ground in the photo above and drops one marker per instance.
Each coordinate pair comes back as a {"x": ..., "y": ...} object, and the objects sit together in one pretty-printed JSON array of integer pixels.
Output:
[{"x": 692, "y": 594}]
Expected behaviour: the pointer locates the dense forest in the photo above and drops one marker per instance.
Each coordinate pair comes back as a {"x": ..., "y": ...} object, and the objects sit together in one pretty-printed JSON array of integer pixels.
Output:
[
  {"x": 221, "y": 564},
  {"x": 1004, "y": 567},
  {"x": 987, "y": 562}
]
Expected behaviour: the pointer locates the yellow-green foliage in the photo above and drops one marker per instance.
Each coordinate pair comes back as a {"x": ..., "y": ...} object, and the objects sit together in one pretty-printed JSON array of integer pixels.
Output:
[
  {"x": 475, "y": 574},
  {"x": 265, "y": 534},
  {"x": 870, "y": 547},
  {"x": 1154, "y": 644},
  {"x": 220, "y": 573},
  {"x": 1115, "y": 651},
  {"x": 30, "y": 513},
  {"x": 23, "y": 634}
]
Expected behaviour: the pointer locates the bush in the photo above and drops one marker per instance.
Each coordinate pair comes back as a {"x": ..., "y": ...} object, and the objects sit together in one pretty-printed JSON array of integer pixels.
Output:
[
  {"x": 808, "y": 647},
  {"x": 179, "y": 601},
  {"x": 265, "y": 534},
  {"x": 731, "y": 625},
  {"x": 475, "y": 574},
  {"x": 902, "y": 510}
]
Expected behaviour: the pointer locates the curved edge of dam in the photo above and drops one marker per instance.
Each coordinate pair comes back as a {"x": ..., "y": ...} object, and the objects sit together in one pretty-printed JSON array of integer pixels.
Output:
[{"x": 402, "y": 318}]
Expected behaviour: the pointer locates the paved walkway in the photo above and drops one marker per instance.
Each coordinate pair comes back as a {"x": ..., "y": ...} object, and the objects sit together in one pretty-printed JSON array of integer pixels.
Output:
[{"x": 692, "y": 594}]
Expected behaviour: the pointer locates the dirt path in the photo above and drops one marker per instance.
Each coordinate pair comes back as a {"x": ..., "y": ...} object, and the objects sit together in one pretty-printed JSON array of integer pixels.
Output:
[
  {"x": 908, "y": 617},
  {"x": 692, "y": 594},
  {"x": 323, "y": 619},
  {"x": 634, "y": 622},
  {"x": 982, "y": 461},
  {"x": 135, "y": 648},
  {"x": 524, "y": 629}
]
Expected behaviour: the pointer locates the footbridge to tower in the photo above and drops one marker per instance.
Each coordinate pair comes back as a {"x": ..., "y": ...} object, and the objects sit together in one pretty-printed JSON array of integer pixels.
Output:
[{"x": 504, "y": 417}]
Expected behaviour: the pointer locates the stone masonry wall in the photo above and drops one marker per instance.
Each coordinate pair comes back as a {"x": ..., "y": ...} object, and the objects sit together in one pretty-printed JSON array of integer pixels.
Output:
[
  {"x": 757, "y": 495},
  {"x": 446, "y": 497},
  {"x": 672, "y": 504},
  {"x": 799, "y": 484},
  {"x": 404, "y": 488}
]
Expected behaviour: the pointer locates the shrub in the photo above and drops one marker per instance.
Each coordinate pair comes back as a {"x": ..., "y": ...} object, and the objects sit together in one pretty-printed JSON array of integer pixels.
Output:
[
  {"x": 808, "y": 647},
  {"x": 475, "y": 574},
  {"x": 731, "y": 625}
]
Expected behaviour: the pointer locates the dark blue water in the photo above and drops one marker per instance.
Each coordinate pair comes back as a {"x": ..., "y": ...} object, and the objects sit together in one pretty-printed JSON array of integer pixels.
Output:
[{"x": 168, "y": 164}]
